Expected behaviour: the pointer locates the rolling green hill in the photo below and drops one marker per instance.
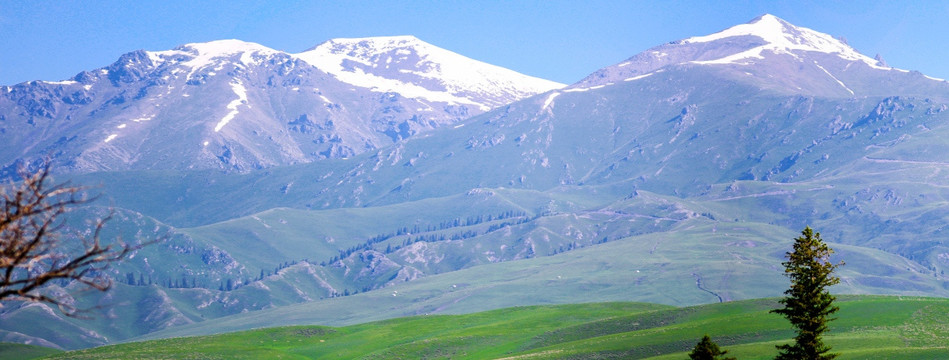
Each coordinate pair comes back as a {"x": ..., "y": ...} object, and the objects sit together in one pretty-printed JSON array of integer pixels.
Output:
[{"x": 868, "y": 327}]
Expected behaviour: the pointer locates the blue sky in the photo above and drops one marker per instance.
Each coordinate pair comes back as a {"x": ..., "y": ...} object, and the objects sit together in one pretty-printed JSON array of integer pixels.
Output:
[{"x": 557, "y": 40}]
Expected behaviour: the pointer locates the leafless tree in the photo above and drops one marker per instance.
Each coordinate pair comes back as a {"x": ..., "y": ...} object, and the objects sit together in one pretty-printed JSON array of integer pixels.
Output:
[{"x": 35, "y": 249}]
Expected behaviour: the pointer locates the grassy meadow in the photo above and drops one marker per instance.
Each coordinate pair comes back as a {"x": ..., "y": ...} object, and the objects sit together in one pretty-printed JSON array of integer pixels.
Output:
[
  {"x": 13, "y": 351},
  {"x": 868, "y": 327}
]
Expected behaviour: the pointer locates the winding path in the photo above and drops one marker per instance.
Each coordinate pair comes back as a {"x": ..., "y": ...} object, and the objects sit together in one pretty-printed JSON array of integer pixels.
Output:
[{"x": 698, "y": 283}]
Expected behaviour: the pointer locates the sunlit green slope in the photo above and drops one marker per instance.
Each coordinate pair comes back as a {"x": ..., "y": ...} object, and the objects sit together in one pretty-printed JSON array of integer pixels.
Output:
[{"x": 868, "y": 327}]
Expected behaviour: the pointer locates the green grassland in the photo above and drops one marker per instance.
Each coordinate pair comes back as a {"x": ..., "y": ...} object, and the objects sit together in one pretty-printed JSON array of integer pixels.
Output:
[
  {"x": 867, "y": 327},
  {"x": 11, "y": 351}
]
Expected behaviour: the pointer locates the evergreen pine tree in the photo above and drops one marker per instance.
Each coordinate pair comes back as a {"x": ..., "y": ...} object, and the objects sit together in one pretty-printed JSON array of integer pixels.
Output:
[
  {"x": 706, "y": 349},
  {"x": 808, "y": 303}
]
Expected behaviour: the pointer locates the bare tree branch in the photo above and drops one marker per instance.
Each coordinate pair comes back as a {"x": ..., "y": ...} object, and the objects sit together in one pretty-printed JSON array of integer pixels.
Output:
[{"x": 33, "y": 251}]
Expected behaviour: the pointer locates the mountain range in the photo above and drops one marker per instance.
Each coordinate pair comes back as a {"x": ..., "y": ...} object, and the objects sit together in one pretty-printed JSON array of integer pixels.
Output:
[
  {"x": 443, "y": 185},
  {"x": 238, "y": 106}
]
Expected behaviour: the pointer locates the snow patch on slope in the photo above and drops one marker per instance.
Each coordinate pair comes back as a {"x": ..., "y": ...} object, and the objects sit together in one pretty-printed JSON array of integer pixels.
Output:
[
  {"x": 64, "y": 82},
  {"x": 637, "y": 77},
  {"x": 754, "y": 53},
  {"x": 143, "y": 118},
  {"x": 582, "y": 89}
]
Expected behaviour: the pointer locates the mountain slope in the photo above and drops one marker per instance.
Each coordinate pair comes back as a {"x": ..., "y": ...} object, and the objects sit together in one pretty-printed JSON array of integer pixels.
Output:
[
  {"x": 238, "y": 106},
  {"x": 674, "y": 133}
]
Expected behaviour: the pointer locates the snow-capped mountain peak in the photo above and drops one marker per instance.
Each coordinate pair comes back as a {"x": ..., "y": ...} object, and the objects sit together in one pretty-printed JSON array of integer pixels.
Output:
[
  {"x": 197, "y": 55},
  {"x": 416, "y": 69},
  {"x": 779, "y": 36},
  {"x": 770, "y": 53},
  {"x": 225, "y": 47}
]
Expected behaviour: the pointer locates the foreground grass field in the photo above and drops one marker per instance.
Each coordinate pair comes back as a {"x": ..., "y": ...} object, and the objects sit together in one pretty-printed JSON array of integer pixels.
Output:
[
  {"x": 868, "y": 327},
  {"x": 11, "y": 351}
]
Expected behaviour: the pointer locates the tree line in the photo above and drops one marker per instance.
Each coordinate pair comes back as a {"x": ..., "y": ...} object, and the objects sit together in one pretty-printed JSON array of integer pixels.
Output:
[{"x": 420, "y": 236}]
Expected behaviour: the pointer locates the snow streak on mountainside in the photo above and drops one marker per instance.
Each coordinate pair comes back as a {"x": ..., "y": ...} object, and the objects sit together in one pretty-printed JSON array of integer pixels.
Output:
[{"x": 236, "y": 106}]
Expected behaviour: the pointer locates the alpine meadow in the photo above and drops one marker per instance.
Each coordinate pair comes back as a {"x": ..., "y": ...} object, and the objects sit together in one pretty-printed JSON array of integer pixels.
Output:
[{"x": 759, "y": 192}]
